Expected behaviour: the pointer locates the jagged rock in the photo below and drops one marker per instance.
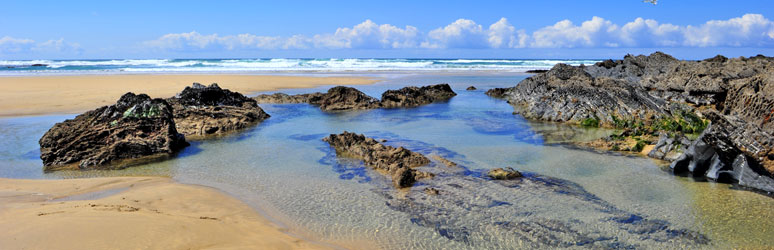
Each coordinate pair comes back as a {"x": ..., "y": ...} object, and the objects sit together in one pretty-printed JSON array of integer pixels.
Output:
[
  {"x": 135, "y": 128},
  {"x": 200, "y": 111},
  {"x": 736, "y": 95},
  {"x": 311, "y": 98},
  {"x": 570, "y": 94},
  {"x": 503, "y": 174},
  {"x": 730, "y": 150},
  {"x": 415, "y": 96},
  {"x": 346, "y": 98},
  {"x": 471, "y": 88},
  {"x": 535, "y": 71},
  {"x": 395, "y": 162},
  {"x": 668, "y": 148}
]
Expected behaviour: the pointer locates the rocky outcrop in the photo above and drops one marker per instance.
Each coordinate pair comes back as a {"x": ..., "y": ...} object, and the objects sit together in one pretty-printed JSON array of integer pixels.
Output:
[
  {"x": 471, "y": 88},
  {"x": 201, "y": 111},
  {"x": 665, "y": 95},
  {"x": 409, "y": 97},
  {"x": 395, "y": 162},
  {"x": 570, "y": 94},
  {"x": 135, "y": 129},
  {"x": 347, "y": 98},
  {"x": 282, "y": 98}
]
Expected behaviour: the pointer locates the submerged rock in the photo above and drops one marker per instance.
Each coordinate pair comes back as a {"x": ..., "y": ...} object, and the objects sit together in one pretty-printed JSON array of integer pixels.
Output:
[
  {"x": 467, "y": 207},
  {"x": 503, "y": 174},
  {"x": 395, "y": 162},
  {"x": 409, "y": 97},
  {"x": 471, "y": 88},
  {"x": 135, "y": 128},
  {"x": 209, "y": 110}
]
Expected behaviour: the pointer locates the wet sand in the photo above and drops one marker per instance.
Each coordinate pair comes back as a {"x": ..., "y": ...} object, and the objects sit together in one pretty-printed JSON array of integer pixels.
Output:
[
  {"x": 131, "y": 213},
  {"x": 37, "y": 95}
]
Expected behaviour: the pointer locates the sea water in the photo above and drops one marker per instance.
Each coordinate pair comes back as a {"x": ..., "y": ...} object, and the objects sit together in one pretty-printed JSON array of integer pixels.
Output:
[
  {"x": 283, "y": 169},
  {"x": 327, "y": 65}
]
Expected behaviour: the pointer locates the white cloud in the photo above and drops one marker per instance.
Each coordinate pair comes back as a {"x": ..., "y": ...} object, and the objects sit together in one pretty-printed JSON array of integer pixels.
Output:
[
  {"x": 749, "y": 30},
  {"x": 369, "y": 35},
  {"x": 15, "y": 45},
  {"x": 10, "y": 45}
]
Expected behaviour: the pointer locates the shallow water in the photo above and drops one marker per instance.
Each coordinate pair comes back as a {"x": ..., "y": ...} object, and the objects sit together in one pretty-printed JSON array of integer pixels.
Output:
[{"x": 570, "y": 198}]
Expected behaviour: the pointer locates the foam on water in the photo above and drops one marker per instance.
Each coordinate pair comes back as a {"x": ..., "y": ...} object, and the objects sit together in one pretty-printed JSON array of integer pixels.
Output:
[{"x": 25, "y": 67}]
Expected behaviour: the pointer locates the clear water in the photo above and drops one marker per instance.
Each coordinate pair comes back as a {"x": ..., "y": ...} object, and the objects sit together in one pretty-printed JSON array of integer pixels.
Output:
[{"x": 282, "y": 168}]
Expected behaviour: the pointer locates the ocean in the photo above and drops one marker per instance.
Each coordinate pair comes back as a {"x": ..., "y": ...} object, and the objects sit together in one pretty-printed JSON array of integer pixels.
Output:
[{"x": 129, "y": 66}]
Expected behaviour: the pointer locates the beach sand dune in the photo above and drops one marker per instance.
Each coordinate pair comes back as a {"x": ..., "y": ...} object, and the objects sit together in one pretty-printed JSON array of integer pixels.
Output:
[
  {"x": 130, "y": 213},
  {"x": 37, "y": 95}
]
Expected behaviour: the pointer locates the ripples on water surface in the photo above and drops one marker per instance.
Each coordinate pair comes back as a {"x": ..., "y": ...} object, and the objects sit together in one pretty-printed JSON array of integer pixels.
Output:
[{"x": 569, "y": 198}]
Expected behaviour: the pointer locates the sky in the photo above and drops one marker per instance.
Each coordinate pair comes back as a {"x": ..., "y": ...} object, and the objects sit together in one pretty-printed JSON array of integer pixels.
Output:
[{"x": 383, "y": 29}]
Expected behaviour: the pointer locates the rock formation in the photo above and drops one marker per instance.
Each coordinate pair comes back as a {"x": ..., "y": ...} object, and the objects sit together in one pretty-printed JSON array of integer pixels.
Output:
[
  {"x": 395, "y": 162},
  {"x": 471, "y": 88},
  {"x": 135, "y": 128},
  {"x": 311, "y": 98},
  {"x": 209, "y": 110},
  {"x": 409, "y": 97},
  {"x": 347, "y": 98},
  {"x": 660, "y": 94}
]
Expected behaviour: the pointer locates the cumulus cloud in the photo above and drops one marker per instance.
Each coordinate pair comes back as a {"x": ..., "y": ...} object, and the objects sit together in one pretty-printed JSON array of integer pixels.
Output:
[
  {"x": 10, "y": 45},
  {"x": 749, "y": 30}
]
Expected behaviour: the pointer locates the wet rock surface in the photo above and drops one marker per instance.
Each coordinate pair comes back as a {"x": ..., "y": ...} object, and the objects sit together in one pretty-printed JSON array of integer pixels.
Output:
[
  {"x": 201, "y": 111},
  {"x": 409, "y": 97},
  {"x": 471, "y": 88},
  {"x": 399, "y": 163},
  {"x": 533, "y": 211},
  {"x": 668, "y": 95},
  {"x": 134, "y": 129},
  {"x": 346, "y": 98}
]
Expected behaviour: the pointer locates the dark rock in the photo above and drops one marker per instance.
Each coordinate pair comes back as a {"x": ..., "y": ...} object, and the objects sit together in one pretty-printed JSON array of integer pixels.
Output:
[
  {"x": 503, "y": 174},
  {"x": 396, "y": 162},
  {"x": 136, "y": 128},
  {"x": 39, "y": 65},
  {"x": 736, "y": 95},
  {"x": 201, "y": 111},
  {"x": 415, "y": 96},
  {"x": 346, "y": 98},
  {"x": 570, "y": 94},
  {"x": 497, "y": 92},
  {"x": 536, "y": 71},
  {"x": 311, "y": 98},
  {"x": 471, "y": 88}
]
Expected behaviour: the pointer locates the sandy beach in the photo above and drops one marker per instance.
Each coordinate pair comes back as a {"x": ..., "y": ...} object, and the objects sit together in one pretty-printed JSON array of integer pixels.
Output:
[
  {"x": 130, "y": 213},
  {"x": 37, "y": 95}
]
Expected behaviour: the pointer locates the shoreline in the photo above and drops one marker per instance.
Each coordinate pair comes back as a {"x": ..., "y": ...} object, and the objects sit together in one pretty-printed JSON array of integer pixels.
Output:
[
  {"x": 32, "y": 95},
  {"x": 115, "y": 212}
]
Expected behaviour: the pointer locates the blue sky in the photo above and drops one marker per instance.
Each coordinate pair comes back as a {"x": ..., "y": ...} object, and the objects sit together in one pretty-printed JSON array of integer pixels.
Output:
[{"x": 448, "y": 29}]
